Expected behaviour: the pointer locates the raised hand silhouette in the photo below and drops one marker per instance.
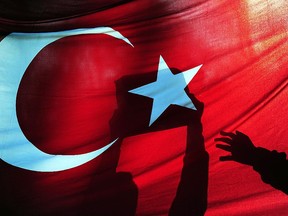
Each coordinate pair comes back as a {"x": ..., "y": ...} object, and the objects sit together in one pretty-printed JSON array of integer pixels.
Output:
[
  {"x": 271, "y": 165},
  {"x": 132, "y": 118},
  {"x": 191, "y": 196},
  {"x": 239, "y": 145}
]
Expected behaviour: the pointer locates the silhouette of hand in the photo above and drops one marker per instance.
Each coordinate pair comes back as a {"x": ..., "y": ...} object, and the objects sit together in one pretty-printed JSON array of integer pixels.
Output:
[{"x": 239, "y": 145}]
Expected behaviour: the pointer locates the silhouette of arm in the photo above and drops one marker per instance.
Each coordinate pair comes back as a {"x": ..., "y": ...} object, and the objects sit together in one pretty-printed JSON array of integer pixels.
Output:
[
  {"x": 271, "y": 165},
  {"x": 273, "y": 168},
  {"x": 191, "y": 196}
]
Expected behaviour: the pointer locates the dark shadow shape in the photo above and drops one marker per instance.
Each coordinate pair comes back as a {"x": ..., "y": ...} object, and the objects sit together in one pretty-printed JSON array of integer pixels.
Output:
[
  {"x": 20, "y": 12},
  {"x": 116, "y": 194},
  {"x": 132, "y": 118},
  {"x": 191, "y": 196},
  {"x": 271, "y": 165}
]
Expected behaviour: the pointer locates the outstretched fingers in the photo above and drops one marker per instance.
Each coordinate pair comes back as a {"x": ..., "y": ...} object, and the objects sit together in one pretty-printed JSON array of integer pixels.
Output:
[
  {"x": 229, "y": 134},
  {"x": 224, "y": 139},
  {"x": 226, "y": 144},
  {"x": 224, "y": 147}
]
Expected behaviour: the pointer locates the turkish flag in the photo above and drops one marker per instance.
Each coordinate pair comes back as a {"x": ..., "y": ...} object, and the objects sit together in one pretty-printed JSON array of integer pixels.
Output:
[{"x": 155, "y": 79}]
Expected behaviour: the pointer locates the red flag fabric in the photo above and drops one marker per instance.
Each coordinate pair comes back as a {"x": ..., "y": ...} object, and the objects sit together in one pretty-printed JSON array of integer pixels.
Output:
[{"x": 126, "y": 73}]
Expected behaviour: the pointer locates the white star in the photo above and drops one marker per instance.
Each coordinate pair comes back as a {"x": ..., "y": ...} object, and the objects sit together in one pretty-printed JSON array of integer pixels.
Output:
[{"x": 168, "y": 89}]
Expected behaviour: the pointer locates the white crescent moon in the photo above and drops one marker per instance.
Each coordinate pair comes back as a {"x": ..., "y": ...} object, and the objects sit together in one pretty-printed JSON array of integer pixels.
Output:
[{"x": 17, "y": 50}]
